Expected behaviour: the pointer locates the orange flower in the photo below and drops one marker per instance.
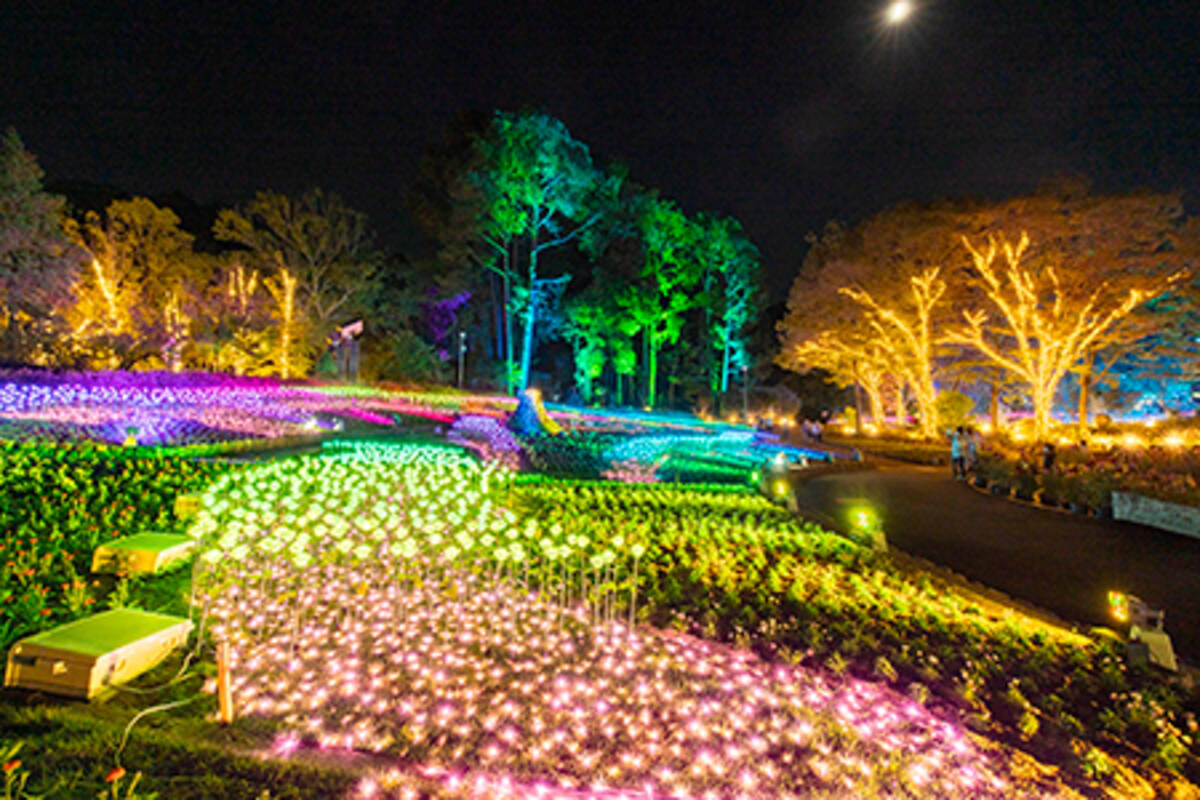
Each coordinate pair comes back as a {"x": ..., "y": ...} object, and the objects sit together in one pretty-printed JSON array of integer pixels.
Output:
[
  {"x": 116, "y": 775},
  {"x": 11, "y": 765}
]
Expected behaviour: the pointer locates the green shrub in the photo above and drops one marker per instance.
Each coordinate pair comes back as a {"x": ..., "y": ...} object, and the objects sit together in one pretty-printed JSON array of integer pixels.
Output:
[{"x": 953, "y": 409}]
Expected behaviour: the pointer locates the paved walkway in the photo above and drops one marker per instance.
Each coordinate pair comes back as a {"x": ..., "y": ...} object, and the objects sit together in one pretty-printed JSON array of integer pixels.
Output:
[{"x": 1058, "y": 561}]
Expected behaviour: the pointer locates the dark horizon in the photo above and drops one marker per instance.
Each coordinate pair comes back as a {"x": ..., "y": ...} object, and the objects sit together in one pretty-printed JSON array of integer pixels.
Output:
[{"x": 785, "y": 120}]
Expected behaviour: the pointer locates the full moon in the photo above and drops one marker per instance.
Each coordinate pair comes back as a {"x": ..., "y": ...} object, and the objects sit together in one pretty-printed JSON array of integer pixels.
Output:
[{"x": 898, "y": 11}]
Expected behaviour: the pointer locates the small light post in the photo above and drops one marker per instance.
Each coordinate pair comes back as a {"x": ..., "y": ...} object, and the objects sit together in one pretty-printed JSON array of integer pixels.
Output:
[
  {"x": 462, "y": 352},
  {"x": 745, "y": 392}
]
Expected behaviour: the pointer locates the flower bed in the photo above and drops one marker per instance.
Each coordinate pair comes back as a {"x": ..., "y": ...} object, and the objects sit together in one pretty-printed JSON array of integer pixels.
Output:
[
  {"x": 743, "y": 570},
  {"x": 1088, "y": 478},
  {"x": 384, "y": 598}
]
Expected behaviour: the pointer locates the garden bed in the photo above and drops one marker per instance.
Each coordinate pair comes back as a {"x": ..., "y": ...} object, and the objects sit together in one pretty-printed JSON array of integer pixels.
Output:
[{"x": 523, "y": 581}]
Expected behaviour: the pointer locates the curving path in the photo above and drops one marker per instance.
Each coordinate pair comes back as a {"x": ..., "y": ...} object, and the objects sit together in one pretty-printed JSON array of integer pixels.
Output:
[{"x": 1058, "y": 561}]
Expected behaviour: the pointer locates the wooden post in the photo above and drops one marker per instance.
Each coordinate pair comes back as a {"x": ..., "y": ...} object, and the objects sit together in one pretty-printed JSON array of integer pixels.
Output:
[{"x": 224, "y": 697}]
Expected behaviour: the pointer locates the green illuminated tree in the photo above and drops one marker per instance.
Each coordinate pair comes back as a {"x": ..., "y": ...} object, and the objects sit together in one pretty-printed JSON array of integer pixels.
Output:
[
  {"x": 38, "y": 263},
  {"x": 731, "y": 265},
  {"x": 540, "y": 191},
  {"x": 589, "y": 327},
  {"x": 655, "y": 306}
]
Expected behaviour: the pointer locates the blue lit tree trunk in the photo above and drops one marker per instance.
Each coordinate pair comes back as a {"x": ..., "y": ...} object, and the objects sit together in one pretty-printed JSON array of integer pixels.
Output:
[{"x": 537, "y": 182}]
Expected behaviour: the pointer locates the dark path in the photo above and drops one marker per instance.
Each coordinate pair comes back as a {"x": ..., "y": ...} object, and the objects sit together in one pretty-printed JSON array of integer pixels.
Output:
[{"x": 1061, "y": 562}]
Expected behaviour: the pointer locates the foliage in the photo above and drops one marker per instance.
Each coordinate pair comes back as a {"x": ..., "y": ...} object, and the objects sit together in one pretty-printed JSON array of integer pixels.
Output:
[
  {"x": 655, "y": 306},
  {"x": 57, "y": 503},
  {"x": 538, "y": 185},
  {"x": 38, "y": 264},
  {"x": 952, "y": 409},
  {"x": 135, "y": 303}
]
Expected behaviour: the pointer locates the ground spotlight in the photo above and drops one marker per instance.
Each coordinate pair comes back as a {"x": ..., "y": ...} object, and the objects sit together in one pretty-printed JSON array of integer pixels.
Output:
[{"x": 1147, "y": 639}]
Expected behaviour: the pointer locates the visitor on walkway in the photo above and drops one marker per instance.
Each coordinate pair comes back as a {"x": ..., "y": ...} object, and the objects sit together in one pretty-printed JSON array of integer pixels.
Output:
[
  {"x": 1048, "y": 455},
  {"x": 957, "y": 459},
  {"x": 971, "y": 449}
]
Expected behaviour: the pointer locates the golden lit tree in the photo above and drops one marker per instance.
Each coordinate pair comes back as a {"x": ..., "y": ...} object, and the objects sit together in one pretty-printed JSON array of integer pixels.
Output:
[
  {"x": 1041, "y": 325},
  {"x": 858, "y": 363},
  {"x": 1111, "y": 244},
  {"x": 880, "y": 284},
  {"x": 316, "y": 245},
  {"x": 133, "y": 303},
  {"x": 904, "y": 333},
  {"x": 291, "y": 356}
]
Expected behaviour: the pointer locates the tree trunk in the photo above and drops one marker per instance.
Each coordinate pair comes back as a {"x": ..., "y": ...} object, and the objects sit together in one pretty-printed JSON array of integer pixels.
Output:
[
  {"x": 651, "y": 371},
  {"x": 875, "y": 400},
  {"x": 994, "y": 406},
  {"x": 645, "y": 368},
  {"x": 725, "y": 364},
  {"x": 530, "y": 313},
  {"x": 1085, "y": 381},
  {"x": 898, "y": 396},
  {"x": 508, "y": 331},
  {"x": 496, "y": 348},
  {"x": 858, "y": 408}
]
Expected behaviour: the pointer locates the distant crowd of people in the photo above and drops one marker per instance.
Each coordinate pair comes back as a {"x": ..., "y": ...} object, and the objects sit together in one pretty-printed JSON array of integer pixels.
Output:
[{"x": 965, "y": 444}]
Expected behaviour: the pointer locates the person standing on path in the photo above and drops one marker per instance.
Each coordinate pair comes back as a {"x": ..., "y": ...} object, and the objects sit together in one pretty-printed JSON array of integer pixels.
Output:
[
  {"x": 1048, "y": 455},
  {"x": 957, "y": 461},
  {"x": 970, "y": 450}
]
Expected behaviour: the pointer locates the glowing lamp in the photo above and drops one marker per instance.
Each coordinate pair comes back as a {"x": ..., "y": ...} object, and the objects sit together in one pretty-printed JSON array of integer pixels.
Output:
[
  {"x": 779, "y": 488},
  {"x": 864, "y": 519},
  {"x": 1118, "y": 606},
  {"x": 1147, "y": 639}
]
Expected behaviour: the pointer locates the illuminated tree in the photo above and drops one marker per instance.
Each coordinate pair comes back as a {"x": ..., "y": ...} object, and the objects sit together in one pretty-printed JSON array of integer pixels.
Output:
[
  {"x": 1112, "y": 244},
  {"x": 730, "y": 264},
  {"x": 589, "y": 327},
  {"x": 540, "y": 189},
  {"x": 904, "y": 333},
  {"x": 290, "y": 356},
  {"x": 655, "y": 305},
  {"x": 38, "y": 263},
  {"x": 877, "y": 288},
  {"x": 235, "y": 324},
  {"x": 848, "y": 362},
  {"x": 323, "y": 245},
  {"x": 134, "y": 303},
  {"x": 1044, "y": 324}
]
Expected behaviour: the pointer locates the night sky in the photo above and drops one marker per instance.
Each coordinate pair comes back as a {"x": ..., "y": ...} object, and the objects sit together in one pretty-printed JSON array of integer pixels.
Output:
[{"x": 784, "y": 115}]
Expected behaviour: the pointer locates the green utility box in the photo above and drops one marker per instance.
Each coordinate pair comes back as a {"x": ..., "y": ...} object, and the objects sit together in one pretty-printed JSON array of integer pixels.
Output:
[
  {"x": 83, "y": 657},
  {"x": 145, "y": 552}
]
